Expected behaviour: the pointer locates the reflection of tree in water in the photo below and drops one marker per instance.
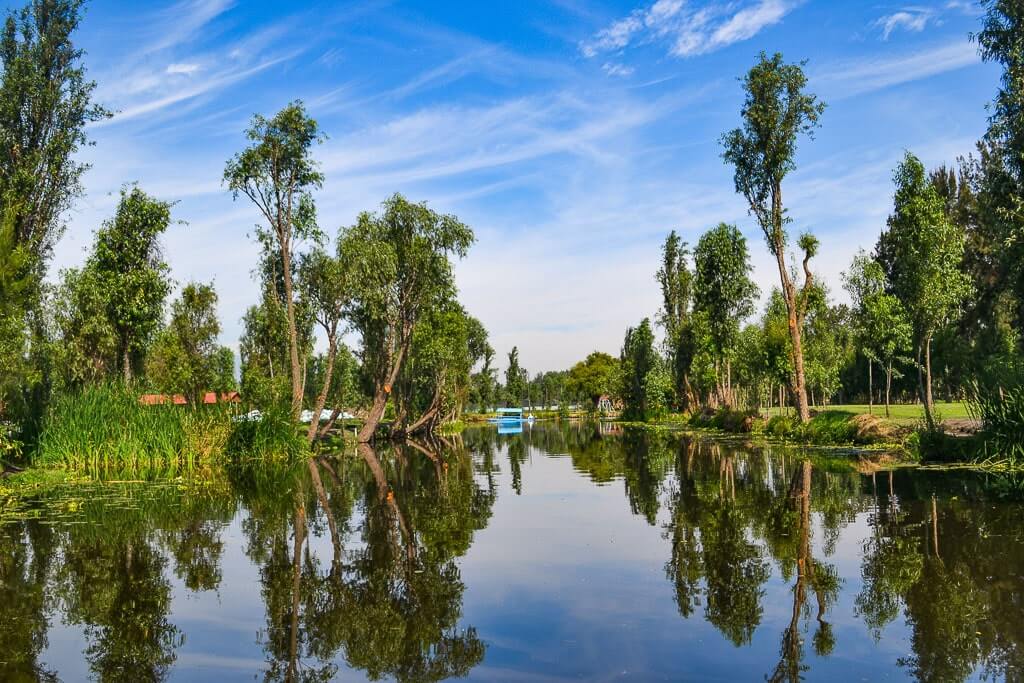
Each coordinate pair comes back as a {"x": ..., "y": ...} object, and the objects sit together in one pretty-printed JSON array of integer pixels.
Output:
[
  {"x": 27, "y": 553},
  {"x": 390, "y": 602},
  {"x": 732, "y": 511},
  {"x": 954, "y": 567}
]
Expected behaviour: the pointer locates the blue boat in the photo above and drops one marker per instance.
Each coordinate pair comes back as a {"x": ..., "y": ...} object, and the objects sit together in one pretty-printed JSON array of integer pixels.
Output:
[{"x": 510, "y": 416}]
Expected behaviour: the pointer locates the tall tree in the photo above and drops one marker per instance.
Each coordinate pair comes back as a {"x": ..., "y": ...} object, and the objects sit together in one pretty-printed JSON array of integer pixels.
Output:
[
  {"x": 922, "y": 252},
  {"x": 1001, "y": 40},
  {"x": 45, "y": 105},
  {"x": 186, "y": 358},
  {"x": 723, "y": 291},
  {"x": 637, "y": 360},
  {"x": 132, "y": 274},
  {"x": 775, "y": 113},
  {"x": 278, "y": 174},
  {"x": 401, "y": 269},
  {"x": 676, "y": 283},
  {"x": 515, "y": 379}
]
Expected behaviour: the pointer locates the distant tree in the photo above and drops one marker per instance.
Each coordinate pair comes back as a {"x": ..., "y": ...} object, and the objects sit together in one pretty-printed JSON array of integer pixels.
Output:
[
  {"x": 881, "y": 325},
  {"x": 594, "y": 377},
  {"x": 515, "y": 379},
  {"x": 277, "y": 173},
  {"x": 922, "y": 252},
  {"x": 723, "y": 291},
  {"x": 86, "y": 346},
  {"x": 775, "y": 113},
  {"x": 401, "y": 269},
  {"x": 186, "y": 358},
  {"x": 132, "y": 274},
  {"x": 485, "y": 381},
  {"x": 637, "y": 359}
]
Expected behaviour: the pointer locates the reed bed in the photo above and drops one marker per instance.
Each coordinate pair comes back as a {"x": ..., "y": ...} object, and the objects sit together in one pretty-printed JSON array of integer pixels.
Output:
[{"x": 105, "y": 427}]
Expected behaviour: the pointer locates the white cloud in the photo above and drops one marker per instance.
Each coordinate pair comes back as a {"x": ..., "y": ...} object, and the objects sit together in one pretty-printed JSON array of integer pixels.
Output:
[
  {"x": 183, "y": 68},
  {"x": 912, "y": 19},
  {"x": 689, "y": 31},
  {"x": 613, "y": 69},
  {"x": 850, "y": 78}
]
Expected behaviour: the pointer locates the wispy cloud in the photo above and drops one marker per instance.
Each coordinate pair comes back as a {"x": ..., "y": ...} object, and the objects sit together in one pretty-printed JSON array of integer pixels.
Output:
[
  {"x": 185, "y": 69},
  {"x": 913, "y": 19},
  {"x": 686, "y": 30},
  {"x": 855, "y": 77},
  {"x": 613, "y": 69},
  {"x": 182, "y": 23}
]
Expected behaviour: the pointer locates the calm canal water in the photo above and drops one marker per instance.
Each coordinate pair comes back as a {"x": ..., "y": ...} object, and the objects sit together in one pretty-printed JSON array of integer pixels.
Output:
[{"x": 562, "y": 553}]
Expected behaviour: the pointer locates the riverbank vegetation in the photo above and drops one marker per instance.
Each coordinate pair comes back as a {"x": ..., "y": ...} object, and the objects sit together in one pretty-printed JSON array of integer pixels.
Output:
[{"x": 366, "y": 327}]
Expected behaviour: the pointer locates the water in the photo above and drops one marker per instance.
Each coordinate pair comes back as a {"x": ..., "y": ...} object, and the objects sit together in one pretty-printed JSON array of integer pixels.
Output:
[{"x": 555, "y": 554}]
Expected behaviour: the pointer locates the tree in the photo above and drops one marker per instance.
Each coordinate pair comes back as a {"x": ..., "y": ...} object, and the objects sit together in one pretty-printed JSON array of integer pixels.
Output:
[
  {"x": 45, "y": 105},
  {"x": 776, "y": 111},
  {"x": 595, "y": 376},
  {"x": 723, "y": 291},
  {"x": 277, "y": 173},
  {"x": 324, "y": 282},
  {"x": 86, "y": 348},
  {"x": 676, "y": 283},
  {"x": 515, "y": 379},
  {"x": 638, "y": 358},
  {"x": 1000, "y": 170},
  {"x": 922, "y": 252},
  {"x": 881, "y": 326},
  {"x": 186, "y": 358},
  {"x": 132, "y": 274},
  {"x": 401, "y": 269}
]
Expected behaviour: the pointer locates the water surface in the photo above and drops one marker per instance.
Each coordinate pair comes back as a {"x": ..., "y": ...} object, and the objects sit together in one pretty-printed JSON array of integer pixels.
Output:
[{"x": 561, "y": 553}]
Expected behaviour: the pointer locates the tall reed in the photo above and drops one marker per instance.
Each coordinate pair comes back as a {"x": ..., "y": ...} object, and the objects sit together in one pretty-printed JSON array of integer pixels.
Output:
[
  {"x": 1000, "y": 408},
  {"x": 106, "y": 427}
]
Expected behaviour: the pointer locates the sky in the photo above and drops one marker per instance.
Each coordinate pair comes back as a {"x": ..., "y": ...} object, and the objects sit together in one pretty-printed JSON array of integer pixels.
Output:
[{"x": 571, "y": 136}]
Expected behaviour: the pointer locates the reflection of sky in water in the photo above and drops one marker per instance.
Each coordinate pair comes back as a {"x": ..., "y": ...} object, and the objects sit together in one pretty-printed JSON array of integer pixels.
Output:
[{"x": 564, "y": 583}]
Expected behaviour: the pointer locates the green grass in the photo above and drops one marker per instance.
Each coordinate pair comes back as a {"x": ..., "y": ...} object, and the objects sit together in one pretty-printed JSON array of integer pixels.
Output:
[{"x": 899, "y": 413}]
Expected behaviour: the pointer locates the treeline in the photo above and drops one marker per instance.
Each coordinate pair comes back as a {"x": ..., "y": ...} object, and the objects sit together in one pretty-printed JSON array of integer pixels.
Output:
[
  {"x": 387, "y": 278},
  {"x": 937, "y": 306}
]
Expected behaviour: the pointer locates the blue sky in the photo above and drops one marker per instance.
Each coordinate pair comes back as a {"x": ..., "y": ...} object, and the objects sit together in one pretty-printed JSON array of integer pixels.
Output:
[{"x": 572, "y": 136}]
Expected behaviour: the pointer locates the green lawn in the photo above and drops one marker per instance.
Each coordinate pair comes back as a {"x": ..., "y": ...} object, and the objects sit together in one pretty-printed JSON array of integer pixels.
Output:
[{"x": 902, "y": 412}]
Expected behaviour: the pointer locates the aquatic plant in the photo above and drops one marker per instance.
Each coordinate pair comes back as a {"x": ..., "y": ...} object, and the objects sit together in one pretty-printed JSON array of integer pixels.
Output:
[{"x": 106, "y": 427}]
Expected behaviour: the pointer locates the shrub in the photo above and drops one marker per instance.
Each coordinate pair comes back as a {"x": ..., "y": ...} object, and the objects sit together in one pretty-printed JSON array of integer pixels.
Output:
[{"x": 1001, "y": 412}]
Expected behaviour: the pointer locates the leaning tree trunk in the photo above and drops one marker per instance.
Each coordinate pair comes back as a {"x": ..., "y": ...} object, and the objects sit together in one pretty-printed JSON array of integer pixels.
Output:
[
  {"x": 796, "y": 380},
  {"x": 382, "y": 391},
  {"x": 888, "y": 386},
  {"x": 924, "y": 380},
  {"x": 871, "y": 395},
  {"x": 321, "y": 399}
]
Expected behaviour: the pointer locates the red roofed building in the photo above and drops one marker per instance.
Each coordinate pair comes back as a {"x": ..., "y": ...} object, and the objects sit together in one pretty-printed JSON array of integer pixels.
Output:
[{"x": 209, "y": 398}]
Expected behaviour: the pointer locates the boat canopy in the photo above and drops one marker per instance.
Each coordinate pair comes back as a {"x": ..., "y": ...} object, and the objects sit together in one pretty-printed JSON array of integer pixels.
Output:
[{"x": 509, "y": 412}]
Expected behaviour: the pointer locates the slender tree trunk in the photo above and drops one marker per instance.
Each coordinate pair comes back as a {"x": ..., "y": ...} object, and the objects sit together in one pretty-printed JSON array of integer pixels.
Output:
[
  {"x": 321, "y": 399},
  {"x": 293, "y": 336},
  {"x": 888, "y": 386},
  {"x": 871, "y": 394},
  {"x": 126, "y": 360},
  {"x": 924, "y": 380}
]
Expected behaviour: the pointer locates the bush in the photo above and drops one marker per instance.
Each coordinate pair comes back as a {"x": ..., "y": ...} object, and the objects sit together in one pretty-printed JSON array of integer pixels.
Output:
[{"x": 781, "y": 426}]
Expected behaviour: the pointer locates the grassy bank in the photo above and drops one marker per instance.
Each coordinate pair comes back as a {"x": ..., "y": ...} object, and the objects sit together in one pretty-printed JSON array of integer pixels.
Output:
[
  {"x": 898, "y": 413},
  {"x": 106, "y": 427}
]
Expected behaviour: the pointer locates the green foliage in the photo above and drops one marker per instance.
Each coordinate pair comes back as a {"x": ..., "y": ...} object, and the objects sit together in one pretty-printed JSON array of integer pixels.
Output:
[
  {"x": 108, "y": 312},
  {"x": 595, "y": 376},
  {"x": 638, "y": 358},
  {"x": 515, "y": 380},
  {"x": 998, "y": 402},
  {"x": 722, "y": 285},
  {"x": 271, "y": 436},
  {"x": 186, "y": 357}
]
